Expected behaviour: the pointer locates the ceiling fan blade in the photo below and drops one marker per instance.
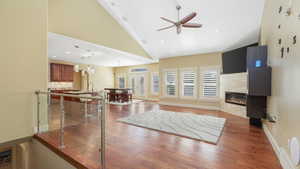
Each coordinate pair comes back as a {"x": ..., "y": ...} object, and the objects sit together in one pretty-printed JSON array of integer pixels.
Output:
[
  {"x": 168, "y": 20},
  {"x": 178, "y": 29},
  {"x": 165, "y": 28},
  {"x": 192, "y": 25},
  {"x": 188, "y": 18}
]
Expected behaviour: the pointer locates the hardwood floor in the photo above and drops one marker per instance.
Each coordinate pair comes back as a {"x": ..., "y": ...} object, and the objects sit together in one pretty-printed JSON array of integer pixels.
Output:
[{"x": 129, "y": 147}]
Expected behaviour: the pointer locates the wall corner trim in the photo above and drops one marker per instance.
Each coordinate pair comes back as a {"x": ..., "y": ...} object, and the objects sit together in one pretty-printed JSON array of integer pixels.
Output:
[{"x": 281, "y": 154}]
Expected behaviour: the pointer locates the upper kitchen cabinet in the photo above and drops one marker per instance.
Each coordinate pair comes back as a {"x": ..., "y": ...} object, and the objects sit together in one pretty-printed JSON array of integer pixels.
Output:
[
  {"x": 55, "y": 72},
  {"x": 67, "y": 73},
  {"x": 61, "y": 73}
]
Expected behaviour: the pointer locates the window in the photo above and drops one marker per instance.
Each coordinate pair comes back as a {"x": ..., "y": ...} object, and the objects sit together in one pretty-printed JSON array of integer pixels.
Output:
[
  {"x": 132, "y": 84},
  {"x": 137, "y": 70},
  {"x": 170, "y": 83},
  {"x": 210, "y": 83},
  {"x": 155, "y": 83},
  {"x": 188, "y": 82},
  {"x": 121, "y": 82},
  {"x": 142, "y": 85}
]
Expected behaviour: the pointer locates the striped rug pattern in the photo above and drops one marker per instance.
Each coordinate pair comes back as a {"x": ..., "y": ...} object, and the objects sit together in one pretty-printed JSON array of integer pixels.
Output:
[{"x": 200, "y": 127}]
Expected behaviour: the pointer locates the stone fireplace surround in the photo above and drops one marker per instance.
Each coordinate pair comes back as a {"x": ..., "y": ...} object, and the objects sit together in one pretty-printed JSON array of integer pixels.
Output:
[{"x": 235, "y": 82}]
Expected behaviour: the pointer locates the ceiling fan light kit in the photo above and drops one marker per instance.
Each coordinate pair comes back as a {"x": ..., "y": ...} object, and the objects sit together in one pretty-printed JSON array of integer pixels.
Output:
[{"x": 181, "y": 22}]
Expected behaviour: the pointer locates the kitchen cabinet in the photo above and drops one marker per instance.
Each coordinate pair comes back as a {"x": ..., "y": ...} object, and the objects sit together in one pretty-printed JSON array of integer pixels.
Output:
[
  {"x": 55, "y": 72},
  {"x": 61, "y": 73},
  {"x": 67, "y": 73}
]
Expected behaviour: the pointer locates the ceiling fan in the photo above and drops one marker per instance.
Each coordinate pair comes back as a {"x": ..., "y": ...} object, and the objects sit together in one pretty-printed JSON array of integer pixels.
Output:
[{"x": 181, "y": 22}]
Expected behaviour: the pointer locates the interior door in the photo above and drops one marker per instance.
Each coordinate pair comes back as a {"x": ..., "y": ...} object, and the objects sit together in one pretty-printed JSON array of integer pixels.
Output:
[{"x": 137, "y": 83}]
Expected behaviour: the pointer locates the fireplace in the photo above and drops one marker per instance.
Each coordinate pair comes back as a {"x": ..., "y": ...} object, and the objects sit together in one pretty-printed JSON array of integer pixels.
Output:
[{"x": 236, "y": 98}]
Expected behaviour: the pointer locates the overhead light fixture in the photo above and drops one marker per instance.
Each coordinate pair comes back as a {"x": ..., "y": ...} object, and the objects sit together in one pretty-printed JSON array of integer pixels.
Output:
[
  {"x": 85, "y": 55},
  {"x": 68, "y": 52},
  {"x": 89, "y": 69}
]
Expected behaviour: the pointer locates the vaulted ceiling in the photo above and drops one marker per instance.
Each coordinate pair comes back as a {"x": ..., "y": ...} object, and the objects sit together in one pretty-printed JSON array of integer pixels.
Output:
[
  {"x": 226, "y": 24},
  {"x": 78, "y": 51},
  {"x": 87, "y": 20}
]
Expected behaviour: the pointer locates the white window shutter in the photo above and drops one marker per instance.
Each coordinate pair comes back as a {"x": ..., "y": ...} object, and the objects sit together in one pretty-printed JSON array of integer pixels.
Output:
[
  {"x": 155, "y": 83},
  {"x": 188, "y": 78},
  {"x": 210, "y": 83},
  {"x": 170, "y": 83}
]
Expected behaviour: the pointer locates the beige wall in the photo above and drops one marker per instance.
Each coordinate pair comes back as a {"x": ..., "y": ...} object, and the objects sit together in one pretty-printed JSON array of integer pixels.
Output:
[
  {"x": 23, "y": 66},
  {"x": 125, "y": 72},
  {"x": 194, "y": 61},
  {"x": 284, "y": 101},
  {"x": 87, "y": 20},
  {"x": 43, "y": 158},
  {"x": 103, "y": 77}
]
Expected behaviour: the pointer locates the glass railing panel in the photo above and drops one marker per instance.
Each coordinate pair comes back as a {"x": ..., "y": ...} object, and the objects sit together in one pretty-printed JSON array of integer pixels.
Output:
[{"x": 76, "y": 124}]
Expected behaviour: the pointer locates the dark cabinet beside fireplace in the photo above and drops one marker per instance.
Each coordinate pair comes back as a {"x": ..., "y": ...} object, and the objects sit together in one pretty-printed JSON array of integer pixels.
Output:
[
  {"x": 259, "y": 81},
  {"x": 256, "y": 107}
]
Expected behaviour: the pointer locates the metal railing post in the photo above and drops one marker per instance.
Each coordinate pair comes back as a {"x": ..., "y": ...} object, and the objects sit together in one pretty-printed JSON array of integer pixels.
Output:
[
  {"x": 49, "y": 97},
  {"x": 38, "y": 111},
  {"x": 102, "y": 156},
  {"x": 99, "y": 109},
  {"x": 85, "y": 109},
  {"x": 62, "y": 122}
]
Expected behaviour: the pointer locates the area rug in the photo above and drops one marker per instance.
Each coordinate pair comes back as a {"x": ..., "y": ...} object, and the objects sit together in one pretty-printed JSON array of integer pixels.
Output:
[{"x": 200, "y": 127}]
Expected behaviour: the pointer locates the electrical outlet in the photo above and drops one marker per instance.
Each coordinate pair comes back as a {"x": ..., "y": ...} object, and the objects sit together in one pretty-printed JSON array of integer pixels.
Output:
[{"x": 272, "y": 118}]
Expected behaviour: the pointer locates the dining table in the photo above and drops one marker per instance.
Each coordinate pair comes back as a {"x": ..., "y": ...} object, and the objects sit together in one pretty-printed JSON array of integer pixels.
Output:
[{"x": 119, "y": 94}]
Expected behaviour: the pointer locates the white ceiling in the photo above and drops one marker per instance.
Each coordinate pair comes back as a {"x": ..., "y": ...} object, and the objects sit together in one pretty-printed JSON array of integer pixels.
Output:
[
  {"x": 63, "y": 48},
  {"x": 226, "y": 24}
]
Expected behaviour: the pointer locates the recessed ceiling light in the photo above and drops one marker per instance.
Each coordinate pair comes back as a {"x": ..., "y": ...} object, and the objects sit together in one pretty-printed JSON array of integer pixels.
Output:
[
  {"x": 144, "y": 41},
  {"x": 54, "y": 56},
  {"x": 124, "y": 18},
  {"x": 68, "y": 52}
]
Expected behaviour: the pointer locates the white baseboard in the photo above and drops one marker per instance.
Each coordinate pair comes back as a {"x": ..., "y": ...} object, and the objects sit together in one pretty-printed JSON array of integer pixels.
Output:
[
  {"x": 43, "y": 128},
  {"x": 281, "y": 153},
  {"x": 150, "y": 99},
  {"x": 190, "y": 106}
]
